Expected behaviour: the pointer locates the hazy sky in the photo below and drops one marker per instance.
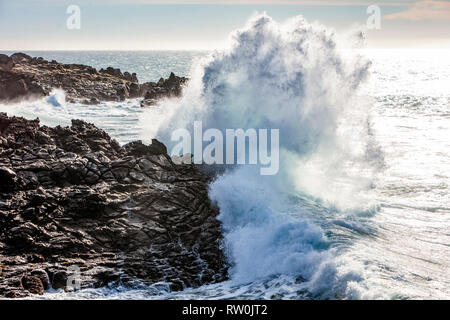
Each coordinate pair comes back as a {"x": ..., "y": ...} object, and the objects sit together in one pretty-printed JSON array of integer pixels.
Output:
[{"x": 206, "y": 24}]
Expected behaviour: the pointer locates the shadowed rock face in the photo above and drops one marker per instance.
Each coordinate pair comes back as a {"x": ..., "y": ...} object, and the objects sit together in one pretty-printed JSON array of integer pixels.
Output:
[
  {"x": 24, "y": 77},
  {"x": 73, "y": 196}
]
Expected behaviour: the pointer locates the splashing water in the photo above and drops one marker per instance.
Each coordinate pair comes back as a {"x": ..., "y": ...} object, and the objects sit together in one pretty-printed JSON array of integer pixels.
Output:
[
  {"x": 294, "y": 78},
  {"x": 119, "y": 119}
]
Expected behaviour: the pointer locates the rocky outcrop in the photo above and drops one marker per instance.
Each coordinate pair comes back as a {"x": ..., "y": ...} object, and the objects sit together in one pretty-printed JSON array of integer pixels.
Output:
[
  {"x": 72, "y": 197},
  {"x": 15, "y": 85},
  {"x": 171, "y": 87},
  {"x": 6, "y": 63},
  {"x": 24, "y": 77}
]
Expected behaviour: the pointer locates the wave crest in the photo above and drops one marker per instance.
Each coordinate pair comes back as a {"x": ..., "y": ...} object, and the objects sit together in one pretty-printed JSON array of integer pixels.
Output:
[{"x": 293, "y": 77}]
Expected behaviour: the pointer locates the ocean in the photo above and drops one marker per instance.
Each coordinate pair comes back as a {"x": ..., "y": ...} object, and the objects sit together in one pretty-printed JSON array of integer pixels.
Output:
[{"x": 361, "y": 206}]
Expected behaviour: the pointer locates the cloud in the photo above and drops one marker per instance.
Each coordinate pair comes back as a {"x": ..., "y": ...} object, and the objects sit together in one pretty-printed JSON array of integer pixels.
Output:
[{"x": 424, "y": 10}]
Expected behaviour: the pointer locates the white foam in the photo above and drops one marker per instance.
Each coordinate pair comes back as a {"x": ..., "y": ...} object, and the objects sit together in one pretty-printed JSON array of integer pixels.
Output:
[{"x": 293, "y": 77}]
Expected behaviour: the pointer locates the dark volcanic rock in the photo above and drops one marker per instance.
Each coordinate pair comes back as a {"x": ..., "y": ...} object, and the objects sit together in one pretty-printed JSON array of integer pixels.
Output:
[
  {"x": 32, "y": 284},
  {"x": 6, "y": 63},
  {"x": 14, "y": 86},
  {"x": 74, "y": 197},
  {"x": 170, "y": 87},
  {"x": 24, "y": 77}
]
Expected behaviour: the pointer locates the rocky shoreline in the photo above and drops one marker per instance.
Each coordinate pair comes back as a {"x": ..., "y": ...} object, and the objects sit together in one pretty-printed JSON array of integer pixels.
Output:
[
  {"x": 24, "y": 77},
  {"x": 72, "y": 198}
]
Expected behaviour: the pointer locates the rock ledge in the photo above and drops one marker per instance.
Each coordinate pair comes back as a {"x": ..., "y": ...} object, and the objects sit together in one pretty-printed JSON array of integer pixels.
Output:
[
  {"x": 74, "y": 197},
  {"x": 24, "y": 77}
]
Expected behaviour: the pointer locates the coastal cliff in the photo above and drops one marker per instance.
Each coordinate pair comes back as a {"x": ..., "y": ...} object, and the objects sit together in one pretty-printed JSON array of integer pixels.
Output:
[{"x": 72, "y": 196}]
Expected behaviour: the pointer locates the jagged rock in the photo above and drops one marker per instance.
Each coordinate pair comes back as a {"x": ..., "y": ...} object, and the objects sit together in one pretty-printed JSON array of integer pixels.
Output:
[
  {"x": 6, "y": 63},
  {"x": 137, "y": 148},
  {"x": 43, "y": 276},
  {"x": 130, "y": 77},
  {"x": 72, "y": 196},
  {"x": 15, "y": 86},
  {"x": 24, "y": 77},
  {"x": 59, "y": 280},
  {"x": 8, "y": 178},
  {"x": 113, "y": 72},
  {"x": 20, "y": 57},
  {"x": 32, "y": 284},
  {"x": 172, "y": 87}
]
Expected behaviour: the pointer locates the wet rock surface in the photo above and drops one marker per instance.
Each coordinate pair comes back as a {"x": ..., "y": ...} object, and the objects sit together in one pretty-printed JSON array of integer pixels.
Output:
[
  {"x": 25, "y": 77},
  {"x": 73, "y": 197}
]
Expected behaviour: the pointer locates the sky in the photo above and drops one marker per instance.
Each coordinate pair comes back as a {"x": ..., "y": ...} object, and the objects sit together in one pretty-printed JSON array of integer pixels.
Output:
[{"x": 206, "y": 24}]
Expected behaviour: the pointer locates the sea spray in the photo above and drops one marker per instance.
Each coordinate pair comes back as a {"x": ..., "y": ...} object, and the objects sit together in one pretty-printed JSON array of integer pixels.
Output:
[
  {"x": 119, "y": 119},
  {"x": 291, "y": 77}
]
